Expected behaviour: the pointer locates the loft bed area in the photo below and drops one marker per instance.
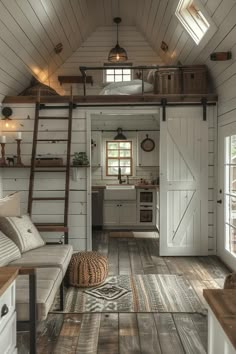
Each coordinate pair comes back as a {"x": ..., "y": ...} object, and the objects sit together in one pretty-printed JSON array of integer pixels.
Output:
[{"x": 148, "y": 85}]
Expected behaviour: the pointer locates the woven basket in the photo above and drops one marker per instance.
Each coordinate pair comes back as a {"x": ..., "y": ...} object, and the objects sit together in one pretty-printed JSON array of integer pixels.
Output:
[{"x": 87, "y": 269}]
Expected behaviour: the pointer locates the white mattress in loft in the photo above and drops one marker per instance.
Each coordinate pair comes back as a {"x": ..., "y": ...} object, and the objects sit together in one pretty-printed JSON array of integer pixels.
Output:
[{"x": 133, "y": 87}]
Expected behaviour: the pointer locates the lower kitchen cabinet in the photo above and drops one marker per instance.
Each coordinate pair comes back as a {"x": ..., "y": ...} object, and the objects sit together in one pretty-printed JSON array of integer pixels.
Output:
[{"x": 119, "y": 213}]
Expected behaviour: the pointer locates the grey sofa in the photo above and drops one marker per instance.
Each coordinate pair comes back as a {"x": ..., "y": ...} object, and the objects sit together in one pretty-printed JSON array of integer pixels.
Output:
[{"x": 21, "y": 246}]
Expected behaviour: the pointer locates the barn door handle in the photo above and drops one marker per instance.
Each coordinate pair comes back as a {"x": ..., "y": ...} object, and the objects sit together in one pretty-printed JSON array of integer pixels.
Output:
[{"x": 219, "y": 201}]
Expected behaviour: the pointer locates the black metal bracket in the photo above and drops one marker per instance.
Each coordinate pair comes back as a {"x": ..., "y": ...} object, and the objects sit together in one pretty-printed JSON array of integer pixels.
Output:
[
  {"x": 163, "y": 103},
  {"x": 204, "y": 105}
]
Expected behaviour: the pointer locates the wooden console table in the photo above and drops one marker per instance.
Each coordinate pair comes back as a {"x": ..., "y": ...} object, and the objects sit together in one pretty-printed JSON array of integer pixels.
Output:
[{"x": 221, "y": 320}]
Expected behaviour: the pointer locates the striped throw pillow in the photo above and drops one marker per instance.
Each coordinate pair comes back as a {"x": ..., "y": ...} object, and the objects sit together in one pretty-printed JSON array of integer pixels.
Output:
[{"x": 8, "y": 250}]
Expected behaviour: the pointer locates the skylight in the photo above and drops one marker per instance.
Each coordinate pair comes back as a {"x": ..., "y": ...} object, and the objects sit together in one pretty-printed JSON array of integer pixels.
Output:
[{"x": 190, "y": 14}]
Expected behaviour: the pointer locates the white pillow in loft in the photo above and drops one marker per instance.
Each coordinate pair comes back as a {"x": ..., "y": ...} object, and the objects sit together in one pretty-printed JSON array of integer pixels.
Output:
[{"x": 133, "y": 87}]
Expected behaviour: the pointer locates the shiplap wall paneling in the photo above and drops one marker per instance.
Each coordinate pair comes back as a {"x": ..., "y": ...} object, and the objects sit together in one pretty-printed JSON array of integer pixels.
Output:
[
  {"x": 100, "y": 42},
  {"x": 49, "y": 183}
]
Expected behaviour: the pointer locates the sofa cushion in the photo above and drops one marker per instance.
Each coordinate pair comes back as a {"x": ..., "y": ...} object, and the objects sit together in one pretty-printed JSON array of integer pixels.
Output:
[
  {"x": 48, "y": 282},
  {"x": 46, "y": 256},
  {"x": 8, "y": 250},
  {"x": 22, "y": 231},
  {"x": 10, "y": 205}
]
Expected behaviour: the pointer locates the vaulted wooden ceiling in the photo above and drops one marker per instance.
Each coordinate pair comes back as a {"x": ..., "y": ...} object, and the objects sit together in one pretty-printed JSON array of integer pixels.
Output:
[{"x": 30, "y": 29}]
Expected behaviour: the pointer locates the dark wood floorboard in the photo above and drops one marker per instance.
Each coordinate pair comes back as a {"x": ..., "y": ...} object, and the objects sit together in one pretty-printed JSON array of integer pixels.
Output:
[{"x": 133, "y": 333}]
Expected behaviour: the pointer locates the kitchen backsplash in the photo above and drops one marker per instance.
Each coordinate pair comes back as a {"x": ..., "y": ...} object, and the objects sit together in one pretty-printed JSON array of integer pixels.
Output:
[{"x": 149, "y": 174}]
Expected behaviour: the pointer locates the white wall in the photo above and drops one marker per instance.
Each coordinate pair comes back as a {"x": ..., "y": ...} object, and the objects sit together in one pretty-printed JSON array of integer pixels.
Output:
[{"x": 17, "y": 179}]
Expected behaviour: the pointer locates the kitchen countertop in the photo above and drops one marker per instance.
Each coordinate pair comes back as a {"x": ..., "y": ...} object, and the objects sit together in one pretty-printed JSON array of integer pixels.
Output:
[
  {"x": 137, "y": 186},
  {"x": 223, "y": 304}
]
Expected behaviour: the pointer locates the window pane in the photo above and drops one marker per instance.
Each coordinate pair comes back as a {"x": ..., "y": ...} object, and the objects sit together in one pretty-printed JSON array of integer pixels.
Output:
[
  {"x": 112, "y": 145},
  {"x": 227, "y": 208},
  {"x": 126, "y": 77},
  {"x": 233, "y": 211},
  {"x": 113, "y": 162},
  {"x": 126, "y": 71},
  {"x": 233, "y": 149},
  {"x": 125, "y": 171},
  {"x": 110, "y": 71},
  {"x": 125, "y": 162},
  {"x": 233, "y": 179},
  {"x": 232, "y": 240},
  {"x": 112, "y": 153},
  {"x": 125, "y": 153},
  {"x": 118, "y": 71},
  {"x": 110, "y": 78},
  {"x": 125, "y": 145},
  {"x": 118, "y": 78},
  {"x": 113, "y": 171}
]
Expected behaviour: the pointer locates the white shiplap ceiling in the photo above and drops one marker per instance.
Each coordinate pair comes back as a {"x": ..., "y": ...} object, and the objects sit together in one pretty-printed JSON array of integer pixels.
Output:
[{"x": 30, "y": 29}]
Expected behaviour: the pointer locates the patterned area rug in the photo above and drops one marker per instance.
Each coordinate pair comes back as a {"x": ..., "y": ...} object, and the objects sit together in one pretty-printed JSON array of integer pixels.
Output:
[{"x": 137, "y": 293}]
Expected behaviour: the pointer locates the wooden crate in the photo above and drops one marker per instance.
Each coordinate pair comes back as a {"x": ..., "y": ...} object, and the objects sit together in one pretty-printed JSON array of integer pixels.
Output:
[
  {"x": 49, "y": 162},
  {"x": 194, "y": 79},
  {"x": 168, "y": 80}
]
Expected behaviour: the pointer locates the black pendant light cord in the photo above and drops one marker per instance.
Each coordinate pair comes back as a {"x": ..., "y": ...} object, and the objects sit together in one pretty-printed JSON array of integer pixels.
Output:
[{"x": 117, "y": 33}]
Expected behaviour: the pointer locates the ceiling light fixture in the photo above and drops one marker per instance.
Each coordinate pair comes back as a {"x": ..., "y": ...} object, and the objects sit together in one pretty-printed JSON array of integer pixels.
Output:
[
  {"x": 120, "y": 135},
  {"x": 117, "y": 54}
]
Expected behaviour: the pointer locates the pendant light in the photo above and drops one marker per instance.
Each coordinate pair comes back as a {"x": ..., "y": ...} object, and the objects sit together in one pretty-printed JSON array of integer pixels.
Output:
[
  {"x": 117, "y": 54},
  {"x": 120, "y": 135}
]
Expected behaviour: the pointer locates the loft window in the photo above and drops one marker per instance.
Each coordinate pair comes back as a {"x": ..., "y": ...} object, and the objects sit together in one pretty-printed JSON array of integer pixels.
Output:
[
  {"x": 194, "y": 18},
  {"x": 118, "y": 155},
  {"x": 117, "y": 75}
]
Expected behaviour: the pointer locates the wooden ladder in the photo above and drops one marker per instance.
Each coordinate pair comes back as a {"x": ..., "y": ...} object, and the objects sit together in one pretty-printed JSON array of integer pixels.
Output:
[{"x": 51, "y": 227}]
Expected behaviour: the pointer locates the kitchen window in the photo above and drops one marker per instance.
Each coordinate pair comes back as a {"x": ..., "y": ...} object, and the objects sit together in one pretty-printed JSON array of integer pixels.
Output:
[{"x": 119, "y": 155}]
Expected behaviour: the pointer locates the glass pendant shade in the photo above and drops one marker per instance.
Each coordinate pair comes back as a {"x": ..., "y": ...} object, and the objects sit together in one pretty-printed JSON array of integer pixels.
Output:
[{"x": 117, "y": 54}]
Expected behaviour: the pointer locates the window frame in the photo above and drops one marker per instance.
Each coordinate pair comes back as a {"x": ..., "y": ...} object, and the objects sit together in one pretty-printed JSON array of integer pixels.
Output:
[
  {"x": 123, "y": 67},
  {"x": 186, "y": 13},
  {"x": 118, "y": 158}
]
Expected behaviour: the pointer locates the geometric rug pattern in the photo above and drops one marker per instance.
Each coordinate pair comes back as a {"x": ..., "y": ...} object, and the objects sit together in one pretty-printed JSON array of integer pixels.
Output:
[{"x": 136, "y": 293}]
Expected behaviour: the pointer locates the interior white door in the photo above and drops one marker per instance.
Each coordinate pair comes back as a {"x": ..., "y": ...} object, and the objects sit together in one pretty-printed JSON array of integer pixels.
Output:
[
  {"x": 184, "y": 182},
  {"x": 226, "y": 209}
]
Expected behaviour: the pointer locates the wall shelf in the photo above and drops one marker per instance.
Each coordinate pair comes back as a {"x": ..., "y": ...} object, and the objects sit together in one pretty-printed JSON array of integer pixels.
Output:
[{"x": 75, "y": 79}]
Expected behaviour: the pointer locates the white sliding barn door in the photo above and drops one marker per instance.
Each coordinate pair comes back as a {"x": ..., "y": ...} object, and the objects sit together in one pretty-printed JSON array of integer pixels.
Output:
[{"x": 183, "y": 182}]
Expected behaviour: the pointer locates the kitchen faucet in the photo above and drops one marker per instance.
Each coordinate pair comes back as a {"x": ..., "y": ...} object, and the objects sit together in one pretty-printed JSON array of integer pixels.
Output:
[{"x": 120, "y": 177}]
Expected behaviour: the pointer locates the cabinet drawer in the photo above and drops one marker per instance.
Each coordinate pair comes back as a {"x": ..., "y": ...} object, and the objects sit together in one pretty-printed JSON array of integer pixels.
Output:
[
  {"x": 8, "y": 336},
  {"x": 7, "y": 305}
]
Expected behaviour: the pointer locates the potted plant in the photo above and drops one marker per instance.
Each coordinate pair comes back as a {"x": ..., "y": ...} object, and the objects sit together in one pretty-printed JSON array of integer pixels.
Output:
[{"x": 80, "y": 159}]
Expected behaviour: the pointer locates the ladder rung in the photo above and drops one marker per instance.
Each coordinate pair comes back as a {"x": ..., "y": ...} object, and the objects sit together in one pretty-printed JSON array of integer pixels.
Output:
[
  {"x": 49, "y": 198},
  {"x": 51, "y": 139},
  {"x": 52, "y": 227},
  {"x": 48, "y": 117}
]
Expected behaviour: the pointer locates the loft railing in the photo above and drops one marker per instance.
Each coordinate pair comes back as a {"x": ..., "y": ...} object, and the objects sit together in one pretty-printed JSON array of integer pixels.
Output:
[{"x": 141, "y": 69}]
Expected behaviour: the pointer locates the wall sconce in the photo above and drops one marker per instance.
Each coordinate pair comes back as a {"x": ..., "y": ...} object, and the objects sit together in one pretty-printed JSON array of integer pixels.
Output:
[{"x": 8, "y": 123}]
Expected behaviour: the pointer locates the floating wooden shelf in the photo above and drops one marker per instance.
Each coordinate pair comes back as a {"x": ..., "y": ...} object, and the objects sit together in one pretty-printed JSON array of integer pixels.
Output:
[{"x": 75, "y": 80}]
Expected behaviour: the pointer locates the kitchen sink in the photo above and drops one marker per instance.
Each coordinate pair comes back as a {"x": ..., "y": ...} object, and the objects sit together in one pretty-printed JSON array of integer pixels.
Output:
[{"x": 120, "y": 186}]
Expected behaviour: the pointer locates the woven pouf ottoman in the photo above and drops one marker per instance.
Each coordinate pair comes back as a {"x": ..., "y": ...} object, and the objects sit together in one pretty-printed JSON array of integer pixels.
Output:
[{"x": 87, "y": 269}]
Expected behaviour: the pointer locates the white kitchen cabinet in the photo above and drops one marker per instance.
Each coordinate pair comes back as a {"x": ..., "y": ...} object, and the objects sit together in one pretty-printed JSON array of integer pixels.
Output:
[
  {"x": 96, "y": 148},
  {"x": 111, "y": 213},
  {"x": 151, "y": 158},
  {"x": 127, "y": 213},
  {"x": 8, "y": 321},
  {"x": 119, "y": 213}
]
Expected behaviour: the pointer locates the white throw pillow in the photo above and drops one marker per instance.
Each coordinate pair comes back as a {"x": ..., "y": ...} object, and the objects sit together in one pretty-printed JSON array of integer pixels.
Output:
[
  {"x": 151, "y": 76},
  {"x": 10, "y": 205},
  {"x": 22, "y": 231},
  {"x": 8, "y": 250}
]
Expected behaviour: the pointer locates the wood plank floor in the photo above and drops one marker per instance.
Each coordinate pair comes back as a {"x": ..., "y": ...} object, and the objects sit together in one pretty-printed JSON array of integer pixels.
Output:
[{"x": 132, "y": 333}]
